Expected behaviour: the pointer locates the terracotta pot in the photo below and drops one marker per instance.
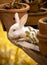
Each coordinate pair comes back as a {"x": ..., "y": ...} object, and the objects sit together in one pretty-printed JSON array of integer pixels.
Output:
[
  {"x": 43, "y": 25},
  {"x": 34, "y": 17},
  {"x": 7, "y": 15},
  {"x": 43, "y": 47},
  {"x": 42, "y": 44},
  {"x": 42, "y": 35},
  {"x": 34, "y": 5}
]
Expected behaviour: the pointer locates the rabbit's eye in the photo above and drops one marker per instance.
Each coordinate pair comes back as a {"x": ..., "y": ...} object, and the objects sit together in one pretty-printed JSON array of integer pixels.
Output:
[{"x": 14, "y": 29}]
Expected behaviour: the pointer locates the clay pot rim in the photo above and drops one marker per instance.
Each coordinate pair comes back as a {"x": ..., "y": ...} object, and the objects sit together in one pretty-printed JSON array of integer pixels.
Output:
[
  {"x": 30, "y": 3},
  {"x": 15, "y": 10},
  {"x": 42, "y": 20},
  {"x": 40, "y": 36},
  {"x": 38, "y": 13}
]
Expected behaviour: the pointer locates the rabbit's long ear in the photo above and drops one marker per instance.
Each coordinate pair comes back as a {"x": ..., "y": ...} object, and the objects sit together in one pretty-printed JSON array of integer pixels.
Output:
[
  {"x": 17, "y": 18},
  {"x": 23, "y": 20}
]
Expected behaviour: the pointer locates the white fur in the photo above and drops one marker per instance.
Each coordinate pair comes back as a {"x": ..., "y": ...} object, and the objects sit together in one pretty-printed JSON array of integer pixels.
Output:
[{"x": 18, "y": 29}]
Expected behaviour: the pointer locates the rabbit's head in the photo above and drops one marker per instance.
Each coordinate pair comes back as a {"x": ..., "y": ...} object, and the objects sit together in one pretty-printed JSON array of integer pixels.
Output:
[{"x": 15, "y": 29}]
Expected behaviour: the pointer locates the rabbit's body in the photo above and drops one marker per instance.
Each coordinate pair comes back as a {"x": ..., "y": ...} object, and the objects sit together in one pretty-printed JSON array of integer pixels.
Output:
[{"x": 18, "y": 30}]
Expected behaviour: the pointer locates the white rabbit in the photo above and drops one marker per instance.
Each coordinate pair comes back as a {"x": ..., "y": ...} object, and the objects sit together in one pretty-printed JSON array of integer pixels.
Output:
[{"x": 19, "y": 30}]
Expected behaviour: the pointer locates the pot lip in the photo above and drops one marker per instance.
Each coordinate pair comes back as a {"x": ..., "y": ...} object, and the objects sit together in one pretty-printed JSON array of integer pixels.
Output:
[
  {"x": 15, "y": 10},
  {"x": 42, "y": 20},
  {"x": 30, "y": 3},
  {"x": 39, "y": 35},
  {"x": 38, "y": 13}
]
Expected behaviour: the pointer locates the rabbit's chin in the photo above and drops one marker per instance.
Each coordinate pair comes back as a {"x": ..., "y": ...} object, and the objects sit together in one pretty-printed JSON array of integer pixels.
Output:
[{"x": 13, "y": 37}]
